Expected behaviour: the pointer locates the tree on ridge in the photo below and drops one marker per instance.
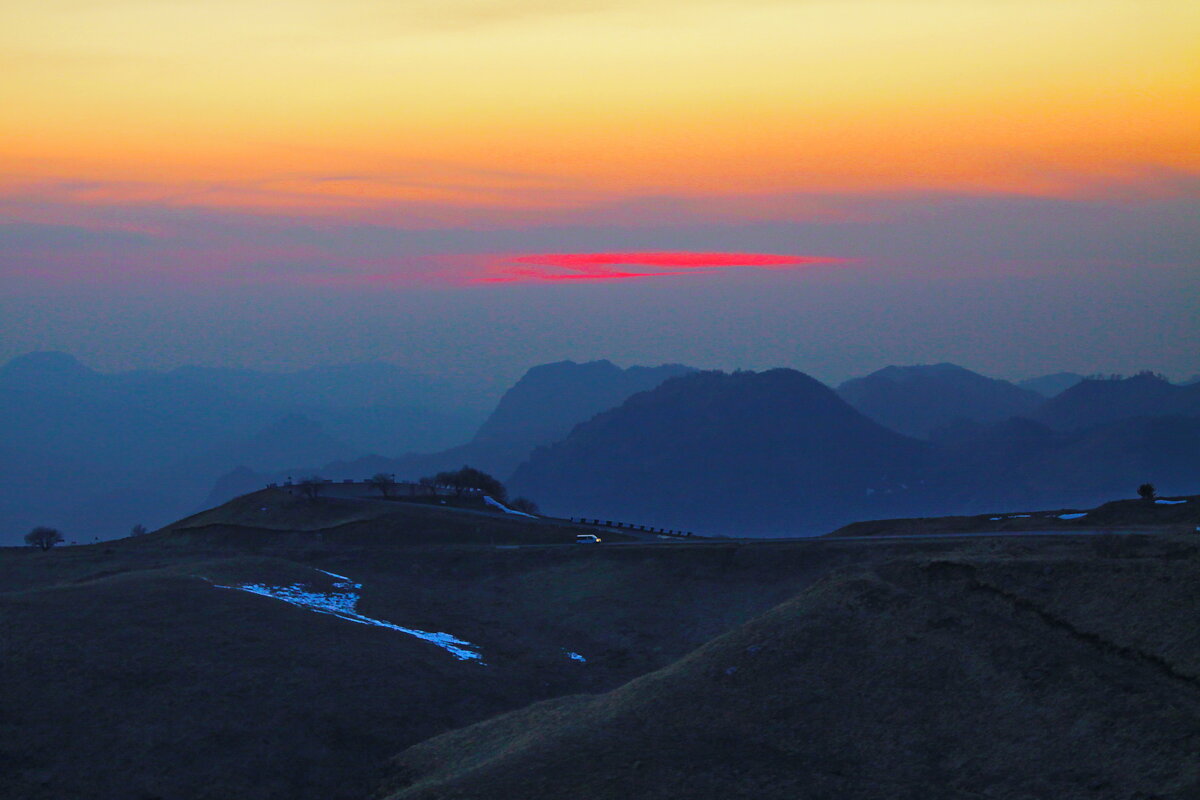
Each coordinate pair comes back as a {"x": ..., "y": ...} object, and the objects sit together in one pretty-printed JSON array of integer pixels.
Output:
[
  {"x": 43, "y": 537},
  {"x": 384, "y": 482}
]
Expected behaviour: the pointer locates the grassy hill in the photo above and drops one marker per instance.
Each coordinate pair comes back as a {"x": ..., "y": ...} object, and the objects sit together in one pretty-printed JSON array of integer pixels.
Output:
[
  {"x": 174, "y": 665},
  {"x": 1002, "y": 673},
  {"x": 275, "y": 516},
  {"x": 129, "y": 673},
  {"x": 1179, "y": 514}
]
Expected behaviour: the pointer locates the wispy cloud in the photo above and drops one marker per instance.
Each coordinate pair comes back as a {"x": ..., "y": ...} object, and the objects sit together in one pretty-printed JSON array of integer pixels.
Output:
[{"x": 551, "y": 267}]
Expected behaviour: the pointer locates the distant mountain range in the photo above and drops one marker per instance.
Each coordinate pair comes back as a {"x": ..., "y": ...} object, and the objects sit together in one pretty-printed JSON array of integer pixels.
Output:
[
  {"x": 1097, "y": 401},
  {"x": 540, "y": 409},
  {"x": 753, "y": 452},
  {"x": 94, "y": 453},
  {"x": 1050, "y": 385},
  {"x": 778, "y": 453},
  {"x": 750, "y": 453},
  {"x": 918, "y": 400}
]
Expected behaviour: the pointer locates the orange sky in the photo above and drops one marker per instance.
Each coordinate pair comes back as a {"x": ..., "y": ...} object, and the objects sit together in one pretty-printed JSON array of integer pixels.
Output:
[{"x": 518, "y": 104}]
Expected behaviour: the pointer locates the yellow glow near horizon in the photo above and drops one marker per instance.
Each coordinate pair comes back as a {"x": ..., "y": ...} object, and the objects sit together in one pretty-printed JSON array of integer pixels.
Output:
[{"x": 482, "y": 102}]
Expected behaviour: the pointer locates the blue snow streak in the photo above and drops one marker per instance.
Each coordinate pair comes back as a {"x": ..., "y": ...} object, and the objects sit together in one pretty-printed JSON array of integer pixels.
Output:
[{"x": 341, "y": 604}]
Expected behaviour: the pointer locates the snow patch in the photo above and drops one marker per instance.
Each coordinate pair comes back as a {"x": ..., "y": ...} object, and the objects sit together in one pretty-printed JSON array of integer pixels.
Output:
[
  {"x": 342, "y": 603},
  {"x": 1073, "y": 516},
  {"x": 339, "y": 577},
  {"x": 500, "y": 506},
  {"x": 575, "y": 656},
  {"x": 1169, "y": 502}
]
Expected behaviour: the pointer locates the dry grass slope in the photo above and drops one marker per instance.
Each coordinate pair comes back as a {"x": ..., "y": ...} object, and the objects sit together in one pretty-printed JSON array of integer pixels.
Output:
[{"x": 1052, "y": 674}]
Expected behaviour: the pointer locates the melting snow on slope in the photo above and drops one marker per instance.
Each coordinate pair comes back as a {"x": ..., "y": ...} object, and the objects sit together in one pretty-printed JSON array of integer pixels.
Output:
[
  {"x": 575, "y": 656},
  {"x": 1072, "y": 516},
  {"x": 1169, "y": 502},
  {"x": 341, "y": 603},
  {"x": 498, "y": 505}
]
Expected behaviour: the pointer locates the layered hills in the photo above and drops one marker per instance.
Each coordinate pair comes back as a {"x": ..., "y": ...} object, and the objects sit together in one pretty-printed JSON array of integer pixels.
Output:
[
  {"x": 1099, "y": 401},
  {"x": 756, "y": 453},
  {"x": 95, "y": 453},
  {"x": 540, "y": 409},
  {"x": 778, "y": 453},
  {"x": 919, "y": 400},
  {"x": 736, "y": 455}
]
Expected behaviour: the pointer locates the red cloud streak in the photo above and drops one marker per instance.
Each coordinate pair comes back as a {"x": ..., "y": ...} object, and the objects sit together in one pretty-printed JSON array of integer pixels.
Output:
[{"x": 547, "y": 267}]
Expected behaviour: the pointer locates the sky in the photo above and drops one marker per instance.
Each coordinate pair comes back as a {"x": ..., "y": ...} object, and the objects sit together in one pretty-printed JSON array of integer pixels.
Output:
[{"x": 476, "y": 186}]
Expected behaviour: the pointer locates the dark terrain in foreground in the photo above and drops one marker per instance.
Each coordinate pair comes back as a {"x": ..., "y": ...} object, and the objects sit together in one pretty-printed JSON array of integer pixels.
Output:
[{"x": 1010, "y": 667}]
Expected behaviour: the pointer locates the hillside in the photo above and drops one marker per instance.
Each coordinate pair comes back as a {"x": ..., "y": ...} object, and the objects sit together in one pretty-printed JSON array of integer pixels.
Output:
[
  {"x": 290, "y": 653},
  {"x": 918, "y": 400},
  {"x": 1051, "y": 385},
  {"x": 163, "y": 684},
  {"x": 275, "y": 516},
  {"x": 1099, "y": 401},
  {"x": 1178, "y": 514},
  {"x": 94, "y": 453},
  {"x": 770, "y": 453},
  {"x": 1006, "y": 673},
  {"x": 779, "y": 454},
  {"x": 1024, "y": 464},
  {"x": 540, "y": 409}
]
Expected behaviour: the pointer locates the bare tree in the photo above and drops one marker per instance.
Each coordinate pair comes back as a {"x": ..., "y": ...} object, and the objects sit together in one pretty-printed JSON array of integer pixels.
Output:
[
  {"x": 311, "y": 487},
  {"x": 384, "y": 482},
  {"x": 43, "y": 537},
  {"x": 138, "y": 530},
  {"x": 461, "y": 480}
]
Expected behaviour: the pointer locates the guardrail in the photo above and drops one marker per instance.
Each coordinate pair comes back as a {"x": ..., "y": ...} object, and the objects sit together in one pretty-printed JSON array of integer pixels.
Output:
[{"x": 608, "y": 523}]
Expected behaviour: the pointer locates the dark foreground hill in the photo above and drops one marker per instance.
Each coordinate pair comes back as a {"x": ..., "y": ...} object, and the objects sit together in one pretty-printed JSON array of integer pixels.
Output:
[
  {"x": 1176, "y": 514},
  {"x": 1004, "y": 674},
  {"x": 774, "y": 452},
  {"x": 133, "y": 670},
  {"x": 292, "y": 652}
]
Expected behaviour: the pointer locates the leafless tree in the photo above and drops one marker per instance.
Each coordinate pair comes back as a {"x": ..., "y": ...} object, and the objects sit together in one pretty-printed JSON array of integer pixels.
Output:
[
  {"x": 384, "y": 482},
  {"x": 43, "y": 537},
  {"x": 311, "y": 487}
]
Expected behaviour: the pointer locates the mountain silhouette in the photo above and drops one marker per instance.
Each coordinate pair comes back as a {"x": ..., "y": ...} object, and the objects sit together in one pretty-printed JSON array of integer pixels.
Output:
[
  {"x": 1097, "y": 401},
  {"x": 917, "y": 400},
  {"x": 1051, "y": 385},
  {"x": 540, "y": 409},
  {"x": 754, "y": 453}
]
